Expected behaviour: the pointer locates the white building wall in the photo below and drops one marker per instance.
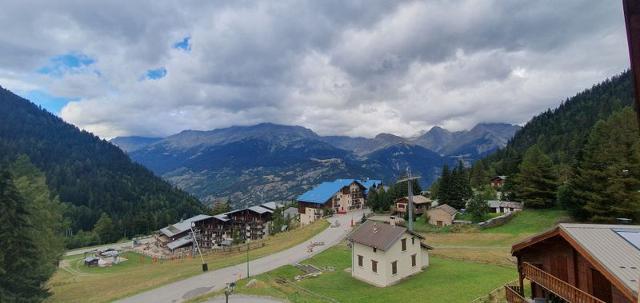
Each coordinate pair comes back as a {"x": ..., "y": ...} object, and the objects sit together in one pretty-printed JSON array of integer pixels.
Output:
[
  {"x": 365, "y": 273},
  {"x": 384, "y": 276},
  {"x": 403, "y": 258}
]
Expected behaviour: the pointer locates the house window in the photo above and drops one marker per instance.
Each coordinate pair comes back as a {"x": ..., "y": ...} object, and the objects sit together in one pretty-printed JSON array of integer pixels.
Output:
[
  {"x": 413, "y": 260},
  {"x": 394, "y": 267},
  {"x": 360, "y": 258},
  {"x": 404, "y": 244},
  {"x": 374, "y": 266},
  {"x": 375, "y": 249},
  {"x": 413, "y": 240}
]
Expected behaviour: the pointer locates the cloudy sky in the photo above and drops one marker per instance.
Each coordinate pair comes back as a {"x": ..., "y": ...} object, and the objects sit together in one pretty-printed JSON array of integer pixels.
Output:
[{"x": 153, "y": 68}]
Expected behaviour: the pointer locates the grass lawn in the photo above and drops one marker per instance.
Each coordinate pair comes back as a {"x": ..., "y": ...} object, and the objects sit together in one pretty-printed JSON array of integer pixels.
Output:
[
  {"x": 76, "y": 283},
  {"x": 491, "y": 245},
  {"x": 444, "y": 280}
]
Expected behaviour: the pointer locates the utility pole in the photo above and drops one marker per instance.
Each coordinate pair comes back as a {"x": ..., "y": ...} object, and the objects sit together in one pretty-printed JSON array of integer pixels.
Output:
[
  {"x": 205, "y": 266},
  {"x": 247, "y": 259},
  {"x": 409, "y": 179}
]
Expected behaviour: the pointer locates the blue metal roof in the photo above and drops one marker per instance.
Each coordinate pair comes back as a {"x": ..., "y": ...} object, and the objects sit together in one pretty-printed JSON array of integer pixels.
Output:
[{"x": 323, "y": 192}]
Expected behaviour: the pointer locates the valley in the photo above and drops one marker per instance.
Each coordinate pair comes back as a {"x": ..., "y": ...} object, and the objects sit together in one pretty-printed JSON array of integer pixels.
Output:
[{"x": 265, "y": 162}]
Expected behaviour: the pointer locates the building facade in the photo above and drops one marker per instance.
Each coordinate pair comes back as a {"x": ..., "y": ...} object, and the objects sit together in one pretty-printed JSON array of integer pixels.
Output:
[
  {"x": 442, "y": 215},
  {"x": 579, "y": 263},
  {"x": 339, "y": 196},
  {"x": 383, "y": 254}
]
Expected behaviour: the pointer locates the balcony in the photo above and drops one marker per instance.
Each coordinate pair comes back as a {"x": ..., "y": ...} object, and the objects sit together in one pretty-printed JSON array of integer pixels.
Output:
[
  {"x": 552, "y": 284},
  {"x": 513, "y": 294}
]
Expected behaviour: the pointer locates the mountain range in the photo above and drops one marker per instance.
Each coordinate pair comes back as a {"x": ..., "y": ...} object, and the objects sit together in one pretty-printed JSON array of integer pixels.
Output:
[{"x": 277, "y": 162}]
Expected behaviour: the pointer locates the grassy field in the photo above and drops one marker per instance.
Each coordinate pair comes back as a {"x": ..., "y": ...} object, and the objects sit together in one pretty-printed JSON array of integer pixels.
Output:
[
  {"x": 492, "y": 245},
  {"x": 442, "y": 281},
  {"x": 467, "y": 263},
  {"x": 74, "y": 282}
]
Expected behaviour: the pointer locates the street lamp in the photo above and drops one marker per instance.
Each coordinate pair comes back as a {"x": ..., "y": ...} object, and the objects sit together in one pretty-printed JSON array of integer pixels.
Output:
[{"x": 229, "y": 290}]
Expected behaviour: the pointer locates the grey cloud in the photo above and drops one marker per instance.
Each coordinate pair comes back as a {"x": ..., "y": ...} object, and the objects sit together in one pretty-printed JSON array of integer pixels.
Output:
[{"x": 338, "y": 67}]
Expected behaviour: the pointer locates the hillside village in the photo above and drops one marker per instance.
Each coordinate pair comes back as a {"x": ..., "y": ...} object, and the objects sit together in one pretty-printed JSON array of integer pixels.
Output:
[{"x": 320, "y": 152}]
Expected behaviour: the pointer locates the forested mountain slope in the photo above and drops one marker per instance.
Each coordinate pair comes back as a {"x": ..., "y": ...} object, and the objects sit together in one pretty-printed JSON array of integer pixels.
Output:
[
  {"x": 90, "y": 176},
  {"x": 562, "y": 132}
]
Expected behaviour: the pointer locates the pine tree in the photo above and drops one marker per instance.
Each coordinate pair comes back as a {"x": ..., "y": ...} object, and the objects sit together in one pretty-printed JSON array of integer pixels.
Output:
[
  {"x": 444, "y": 185},
  {"x": 536, "y": 183},
  {"x": 478, "y": 175},
  {"x": 21, "y": 276},
  {"x": 105, "y": 230},
  {"x": 45, "y": 213},
  {"x": 605, "y": 183},
  {"x": 459, "y": 188}
]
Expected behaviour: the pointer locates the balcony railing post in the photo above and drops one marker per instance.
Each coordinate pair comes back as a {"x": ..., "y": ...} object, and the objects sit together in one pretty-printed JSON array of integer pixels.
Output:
[{"x": 557, "y": 286}]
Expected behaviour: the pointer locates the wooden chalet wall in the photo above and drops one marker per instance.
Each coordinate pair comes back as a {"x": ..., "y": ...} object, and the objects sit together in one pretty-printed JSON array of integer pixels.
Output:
[{"x": 557, "y": 257}]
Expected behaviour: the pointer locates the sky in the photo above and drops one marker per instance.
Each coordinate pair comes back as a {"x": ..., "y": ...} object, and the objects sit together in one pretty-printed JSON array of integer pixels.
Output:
[{"x": 357, "y": 68}]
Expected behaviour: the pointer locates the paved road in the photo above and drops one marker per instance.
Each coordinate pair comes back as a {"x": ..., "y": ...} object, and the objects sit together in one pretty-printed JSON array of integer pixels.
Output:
[
  {"x": 244, "y": 299},
  {"x": 217, "y": 279}
]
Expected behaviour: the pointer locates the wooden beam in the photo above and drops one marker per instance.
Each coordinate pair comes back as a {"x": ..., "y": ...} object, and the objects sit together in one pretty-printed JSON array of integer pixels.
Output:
[{"x": 632, "y": 23}]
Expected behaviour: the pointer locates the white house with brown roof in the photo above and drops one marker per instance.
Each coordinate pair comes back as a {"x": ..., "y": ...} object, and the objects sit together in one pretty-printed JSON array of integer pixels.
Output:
[
  {"x": 383, "y": 254},
  {"x": 442, "y": 215}
]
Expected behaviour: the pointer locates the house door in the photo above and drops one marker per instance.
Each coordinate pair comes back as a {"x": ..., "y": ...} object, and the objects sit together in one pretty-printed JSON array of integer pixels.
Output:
[
  {"x": 601, "y": 286},
  {"x": 439, "y": 223}
]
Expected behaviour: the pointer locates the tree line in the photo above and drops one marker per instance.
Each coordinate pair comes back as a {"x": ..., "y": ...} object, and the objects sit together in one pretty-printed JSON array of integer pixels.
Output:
[
  {"x": 583, "y": 156},
  {"x": 105, "y": 196}
]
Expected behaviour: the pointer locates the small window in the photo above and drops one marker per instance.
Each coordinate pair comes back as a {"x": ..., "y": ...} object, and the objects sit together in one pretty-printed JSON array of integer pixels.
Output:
[
  {"x": 413, "y": 260},
  {"x": 404, "y": 244},
  {"x": 413, "y": 240},
  {"x": 375, "y": 249},
  {"x": 360, "y": 258},
  {"x": 374, "y": 266},
  {"x": 394, "y": 267}
]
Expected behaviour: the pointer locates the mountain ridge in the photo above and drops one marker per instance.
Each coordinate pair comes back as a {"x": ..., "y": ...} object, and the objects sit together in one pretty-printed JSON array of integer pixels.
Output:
[{"x": 273, "y": 161}]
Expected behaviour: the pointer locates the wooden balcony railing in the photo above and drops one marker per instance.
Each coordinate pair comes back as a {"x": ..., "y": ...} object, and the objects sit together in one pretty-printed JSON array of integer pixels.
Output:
[
  {"x": 560, "y": 288},
  {"x": 512, "y": 294}
]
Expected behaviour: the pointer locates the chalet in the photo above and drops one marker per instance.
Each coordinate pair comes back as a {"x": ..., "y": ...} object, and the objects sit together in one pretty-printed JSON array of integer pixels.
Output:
[
  {"x": 250, "y": 223},
  {"x": 340, "y": 196},
  {"x": 579, "y": 263},
  {"x": 498, "y": 181},
  {"x": 420, "y": 205},
  {"x": 179, "y": 235},
  {"x": 383, "y": 254},
  {"x": 215, "y": 231},
  {"x": 503, "y": 207},
  {"x": 442, "y": 215}
]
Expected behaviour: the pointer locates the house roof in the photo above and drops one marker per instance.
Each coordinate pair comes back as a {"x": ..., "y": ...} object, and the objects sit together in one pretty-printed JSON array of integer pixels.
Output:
[
  {"x": 180, "y": 242},
  {"x": 509, "y": 204},
  {"x": 417, "y": 199},
  {"x": 446, "y": 208},
  {"x": 222, "y": 217},
  {"x": 325, "y": 190},
  {"x": 499, "y": 178},
  {"x": 182, "y": 226},
  {"x": 260, "y": 210},
  {"x": 613, "y": 248},
  {"x": 271, "y": 205},
  {"x": 378, "y": 235}
]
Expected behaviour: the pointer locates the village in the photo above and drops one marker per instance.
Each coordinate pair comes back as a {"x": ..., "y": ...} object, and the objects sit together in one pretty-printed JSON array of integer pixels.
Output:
[{"x": 572, "y": 262}]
